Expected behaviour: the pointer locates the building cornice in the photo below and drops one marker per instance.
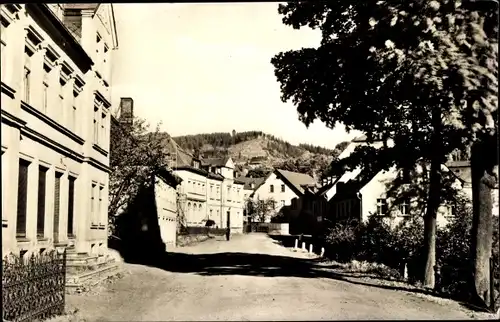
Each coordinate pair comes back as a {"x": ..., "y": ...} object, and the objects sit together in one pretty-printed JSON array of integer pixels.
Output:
[
  {"x": 7, "y": 90},
  {"x": 36, "y": 136},
  {"x": 12, "y": 120},
  {"x": 102, "y": 99},
  {"x": 47, "y": 20},
  {"x": 47, "y": 120},
  {"x": 96, "y": 163}
]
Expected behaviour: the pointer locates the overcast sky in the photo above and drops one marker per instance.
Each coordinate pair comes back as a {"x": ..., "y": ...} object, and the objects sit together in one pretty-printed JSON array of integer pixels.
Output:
[{"x": 201, "y": 68}]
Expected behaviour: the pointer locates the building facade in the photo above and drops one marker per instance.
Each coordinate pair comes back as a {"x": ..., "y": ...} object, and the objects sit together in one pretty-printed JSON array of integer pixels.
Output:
[
  {"x": 55, "y": 105},
  {"x": 211, "y": 192}
]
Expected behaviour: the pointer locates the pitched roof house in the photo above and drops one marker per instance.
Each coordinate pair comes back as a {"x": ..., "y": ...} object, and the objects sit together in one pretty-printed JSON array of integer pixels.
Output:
[{"x": 283, "y": 186}]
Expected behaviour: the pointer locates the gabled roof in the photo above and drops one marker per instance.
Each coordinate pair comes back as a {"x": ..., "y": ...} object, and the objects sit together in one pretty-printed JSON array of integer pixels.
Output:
[
  {"x": 215, "y": 162},
  {"x": 248, "y": 182},
  {"x": 295, "y": 180}
]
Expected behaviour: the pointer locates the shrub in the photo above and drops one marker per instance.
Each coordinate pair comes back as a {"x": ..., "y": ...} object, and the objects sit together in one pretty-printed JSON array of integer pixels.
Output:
[{"x": 340, "y": 242}]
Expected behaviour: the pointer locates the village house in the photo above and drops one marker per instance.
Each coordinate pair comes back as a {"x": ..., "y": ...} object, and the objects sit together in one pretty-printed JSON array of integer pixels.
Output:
[
  {"x": 284, "y": 187},
  {"x": 358, "y": 194},
  {"x": 55, "y": 102}
]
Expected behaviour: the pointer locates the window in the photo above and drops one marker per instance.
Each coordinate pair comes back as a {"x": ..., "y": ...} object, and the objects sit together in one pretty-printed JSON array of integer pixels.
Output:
[
  {"x": 22, "y": 198},
  {"x": 71, "y": 205},
  {"x": 40, "y": 222},
  {"x": 211, "y": 210},
  {"x": 96, "y": 125},
  {"x": 404, "y": 207},
  {"x": 381, "y": 206},
  {"x": 103, "y": 128},
  {"x": 45, "y": 102},
  {"x": 282, "y": 188},
  {"x": 57, "y": 203},
  {"x": 271, "y": 188},
  {"x": 100, "y": 205},
  {"x": 92, "y": 203},
  {"x": 62, "y": 83},
  {"x": 26, "y": 84}
]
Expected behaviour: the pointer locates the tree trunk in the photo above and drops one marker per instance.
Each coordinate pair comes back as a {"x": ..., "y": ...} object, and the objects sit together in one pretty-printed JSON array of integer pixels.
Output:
[
  {"x": 430, "y": 223},
  {"x": 483, "y": 181},
  {"x": 433, "y": 200}
]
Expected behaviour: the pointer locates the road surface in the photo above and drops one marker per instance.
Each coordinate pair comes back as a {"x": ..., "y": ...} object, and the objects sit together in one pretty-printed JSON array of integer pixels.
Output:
[{"x": 248, "y": 278}]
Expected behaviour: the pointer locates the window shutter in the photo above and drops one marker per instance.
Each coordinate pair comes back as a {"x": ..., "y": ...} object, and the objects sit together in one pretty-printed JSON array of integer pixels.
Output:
[
  {"x": 57, "y": 201},
  {"x": 22, "y": 198},
  {"x": 71, "y": 200},
  {"x": 40, "y": 223}
]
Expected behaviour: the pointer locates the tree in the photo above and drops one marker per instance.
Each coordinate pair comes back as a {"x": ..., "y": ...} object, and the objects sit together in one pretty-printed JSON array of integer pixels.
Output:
[
  {"x": 423, "y": 73},
  {"x": 260, "y": 209},
  {"x": 135, "y": 156},
  {"x": 258, "y": 172}
]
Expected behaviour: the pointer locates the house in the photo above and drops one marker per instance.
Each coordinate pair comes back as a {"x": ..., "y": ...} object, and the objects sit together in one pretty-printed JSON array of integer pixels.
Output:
[
  {"x": 211, "y": 193},
  {"x": 148, "y": 227},
  {"x": 367, "y": 194},
  {"x": 55, "y": 103},
  {"x": 283, "y": 186},
  {"x": 249, "y": 187}
]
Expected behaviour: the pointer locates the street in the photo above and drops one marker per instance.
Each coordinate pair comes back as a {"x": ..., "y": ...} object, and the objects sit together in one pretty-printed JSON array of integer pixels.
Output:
[{"x": 251, "y": 277}]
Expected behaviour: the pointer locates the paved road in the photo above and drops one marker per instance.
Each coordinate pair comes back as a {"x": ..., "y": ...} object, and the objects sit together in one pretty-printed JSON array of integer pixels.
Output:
[{"x": 249, "y": 278}]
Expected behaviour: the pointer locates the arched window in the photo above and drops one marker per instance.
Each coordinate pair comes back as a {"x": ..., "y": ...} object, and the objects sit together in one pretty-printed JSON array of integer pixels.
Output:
[{"x": 189, "y": 209}]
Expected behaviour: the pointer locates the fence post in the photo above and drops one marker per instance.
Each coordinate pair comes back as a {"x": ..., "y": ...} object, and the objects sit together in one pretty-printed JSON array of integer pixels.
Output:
[
  {"x": 296, "y": 244},
  {"x": 310, "y": 248}
]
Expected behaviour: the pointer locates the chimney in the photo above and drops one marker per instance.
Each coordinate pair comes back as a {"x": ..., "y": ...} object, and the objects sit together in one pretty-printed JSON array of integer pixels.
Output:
[{"x": 126, "y": 111}]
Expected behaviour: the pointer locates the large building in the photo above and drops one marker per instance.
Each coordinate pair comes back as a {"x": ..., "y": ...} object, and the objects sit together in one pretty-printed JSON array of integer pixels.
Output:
[
  {"x": 210, "y": 193},
  {"x": 55, "y": 102}
]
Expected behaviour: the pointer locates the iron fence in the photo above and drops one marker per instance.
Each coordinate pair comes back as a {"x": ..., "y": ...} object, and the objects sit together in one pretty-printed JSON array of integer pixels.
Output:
[{"x": 33, "y": 288}]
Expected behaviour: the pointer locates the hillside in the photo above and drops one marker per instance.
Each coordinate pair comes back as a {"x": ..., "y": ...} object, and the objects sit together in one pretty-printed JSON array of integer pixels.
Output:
[{"x": 255, "y": 149}]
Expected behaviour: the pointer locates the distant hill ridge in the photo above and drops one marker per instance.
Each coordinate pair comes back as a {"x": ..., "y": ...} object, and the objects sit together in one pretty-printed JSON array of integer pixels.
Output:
[
  {"x": 224, "y": 140},
  {"x": 256, "y": 149}
]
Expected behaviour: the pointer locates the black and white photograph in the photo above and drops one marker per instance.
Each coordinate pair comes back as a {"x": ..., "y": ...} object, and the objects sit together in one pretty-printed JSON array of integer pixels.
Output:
[{"x": 250, "y": 161}]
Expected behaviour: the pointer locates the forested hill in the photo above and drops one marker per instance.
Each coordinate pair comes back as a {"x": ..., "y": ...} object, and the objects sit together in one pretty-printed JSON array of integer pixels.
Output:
[
  {"x": 223, "y": 140},
  {"x": 257, "y": 149}
]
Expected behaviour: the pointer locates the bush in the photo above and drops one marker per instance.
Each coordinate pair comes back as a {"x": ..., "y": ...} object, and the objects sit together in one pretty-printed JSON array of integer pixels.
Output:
[{"x": 376, "y": 242}]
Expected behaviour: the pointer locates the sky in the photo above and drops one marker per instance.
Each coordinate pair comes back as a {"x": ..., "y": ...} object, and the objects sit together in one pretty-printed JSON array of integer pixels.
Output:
[{"x": 203, "y": 68}]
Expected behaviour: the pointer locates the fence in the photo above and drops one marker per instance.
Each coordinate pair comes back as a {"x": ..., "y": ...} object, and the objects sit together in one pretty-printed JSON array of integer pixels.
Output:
[
  {"x": 270, "y": 228},
  {"x": 202, "y": 231},
  {"x": 33, "y": 288}
]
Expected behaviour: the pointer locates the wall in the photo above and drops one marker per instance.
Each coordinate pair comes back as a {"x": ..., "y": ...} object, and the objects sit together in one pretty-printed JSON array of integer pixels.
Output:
[
  {"x": 377, "y": 188},
  {"x": 53, "y": 132},
  {"x": 166, "y": 205},
  {"x": 194, "y": 185}
]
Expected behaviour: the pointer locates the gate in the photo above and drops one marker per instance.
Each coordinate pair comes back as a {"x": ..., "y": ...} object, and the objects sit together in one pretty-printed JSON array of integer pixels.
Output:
[{"x": 33, "y": 288}]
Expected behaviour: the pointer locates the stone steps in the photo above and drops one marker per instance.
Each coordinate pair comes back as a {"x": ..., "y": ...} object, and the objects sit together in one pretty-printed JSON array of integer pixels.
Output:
[
  {"x": 84, "y": 270},
  {"x": 90, "y": 278}
]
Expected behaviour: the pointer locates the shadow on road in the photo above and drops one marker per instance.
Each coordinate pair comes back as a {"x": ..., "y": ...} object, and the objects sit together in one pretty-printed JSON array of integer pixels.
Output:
[{"x": 255, "y": 264}]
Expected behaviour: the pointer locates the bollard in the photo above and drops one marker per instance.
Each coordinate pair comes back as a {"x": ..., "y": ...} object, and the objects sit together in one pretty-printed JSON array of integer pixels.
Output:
[
  {"x": 310, "y": 248},
  {"x": 296, "y": 244},
  {"x": 322, "y": 251},
  {"x": 303, "y": 246}
]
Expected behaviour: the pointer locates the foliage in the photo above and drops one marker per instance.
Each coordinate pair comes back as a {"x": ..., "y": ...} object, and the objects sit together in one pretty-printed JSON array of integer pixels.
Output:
[
  {"x": 261, "y": 209},
  {"x": 308, "y": 165},
  {"x": 424, "y": 73},
  {"x": 375, "y": 242},
  {"x": 260, "y": 172},
  {"x": 135, "y": 156}
]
